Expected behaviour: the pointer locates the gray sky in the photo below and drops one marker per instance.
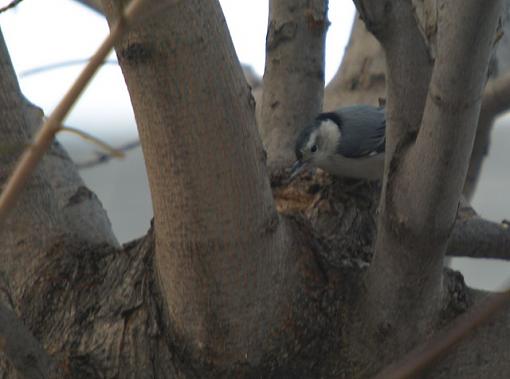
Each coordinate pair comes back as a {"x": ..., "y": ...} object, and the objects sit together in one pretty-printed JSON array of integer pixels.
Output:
[{"x": 40, "y": 33}]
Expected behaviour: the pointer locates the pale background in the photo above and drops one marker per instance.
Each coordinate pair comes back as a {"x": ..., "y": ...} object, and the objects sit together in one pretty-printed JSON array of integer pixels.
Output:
[{"x": 40, "y": 33}]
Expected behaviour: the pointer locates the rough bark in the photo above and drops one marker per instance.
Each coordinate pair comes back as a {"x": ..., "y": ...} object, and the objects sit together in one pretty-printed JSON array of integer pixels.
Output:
[
  {"x": 79, "y": 207},
  {"x": 49, "y": 210},
  {"x": 417, "y": 211},
  {"x": 293, "y": 77},
  {"x": 399, "y": 269},
  {"x": 222, "y": 251},
  {"x": 44, "y": 208},
  {"x": 473, "y": 236}
]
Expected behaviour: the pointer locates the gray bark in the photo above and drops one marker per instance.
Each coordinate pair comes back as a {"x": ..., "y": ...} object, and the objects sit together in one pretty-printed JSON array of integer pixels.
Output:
[
  {"x": 44, "y": 208},
  {"x": 417, "y": 211},
  {"x": 293, "y": 77},
  {"x": 223, "y": 254},
  {"x": 475, "y": 237}
]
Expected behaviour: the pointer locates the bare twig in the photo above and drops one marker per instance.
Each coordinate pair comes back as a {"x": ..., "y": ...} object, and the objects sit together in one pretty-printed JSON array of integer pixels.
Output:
[
  {"x": 44, "y": 137},
  {"x": 436, "y": 347},
  {"x": 54, "y": 66},
  {"x": 88, "y": 137},
  {"x": 105, "y": 158},
  {"x": 11, "y": 5}
]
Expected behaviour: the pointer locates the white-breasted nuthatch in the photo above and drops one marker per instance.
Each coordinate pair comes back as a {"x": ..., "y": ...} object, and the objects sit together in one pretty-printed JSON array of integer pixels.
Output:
[{"x": 348, "y": 142}]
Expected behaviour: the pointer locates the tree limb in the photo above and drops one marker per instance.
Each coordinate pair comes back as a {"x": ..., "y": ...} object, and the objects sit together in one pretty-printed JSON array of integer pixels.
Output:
[
  {"x": 444, "y": 143},
  {"x": 51, "y": 126},
  {"x": 437, "y": 347},
  {"x": 395, "y": 269},
  {"x": 475, "y": 237},
  {"x": 425, "y": 142},
  {"x": 294, "y": 75}
]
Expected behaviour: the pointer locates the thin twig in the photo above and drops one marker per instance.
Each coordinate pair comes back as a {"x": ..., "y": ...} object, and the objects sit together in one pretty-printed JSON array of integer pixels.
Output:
[
  {"x": 52, "y": 125},
  {"x": 89, "y": 137},
  {"x": 54, "y": 66},
  {"x": 12, "y": 4},
  {"x": 424, "y": 355},
  {"x": 102, "y": 158}
]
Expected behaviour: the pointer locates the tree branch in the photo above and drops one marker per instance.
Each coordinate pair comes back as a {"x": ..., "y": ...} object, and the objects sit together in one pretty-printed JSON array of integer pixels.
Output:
[
  {"x": 294, "y": 75},
  {"x": 45, "y": 209},
  {"x": 44, "y": 137},
  {"x": 394, "y": 269},
  {"x": 438, "y": 346},
  {"x": 475, "y": 237},
  {"x": 444, "y": 143}
]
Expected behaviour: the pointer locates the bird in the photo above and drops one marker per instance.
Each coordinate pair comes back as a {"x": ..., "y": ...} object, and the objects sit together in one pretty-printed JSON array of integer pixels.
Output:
[{"x": 349, "y": 142}]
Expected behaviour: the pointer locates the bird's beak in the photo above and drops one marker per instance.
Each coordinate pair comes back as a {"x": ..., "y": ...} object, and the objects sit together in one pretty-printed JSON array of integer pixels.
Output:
[{"x": 296, "y": 168}]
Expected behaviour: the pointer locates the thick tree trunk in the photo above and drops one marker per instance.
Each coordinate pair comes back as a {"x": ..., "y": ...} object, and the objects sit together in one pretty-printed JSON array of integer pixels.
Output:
[{"x": 223, "y": 254}]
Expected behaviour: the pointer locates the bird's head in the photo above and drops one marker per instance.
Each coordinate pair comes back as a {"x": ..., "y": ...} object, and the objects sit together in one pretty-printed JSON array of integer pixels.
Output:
[{"x": 315, "y": 144}]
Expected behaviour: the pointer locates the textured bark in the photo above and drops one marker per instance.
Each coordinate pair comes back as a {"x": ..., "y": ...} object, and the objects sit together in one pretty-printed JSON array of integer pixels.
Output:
[
  {"x": 222, "y": 252},
  {"x": 81, "y": 210},
  {"x": 475, "y": 237},
  {"x": 45, "y": 209},
  {"x": 293, "y": 77},
  {"x": 417, "y": 210},
  {"x": 398, "y": 270}
]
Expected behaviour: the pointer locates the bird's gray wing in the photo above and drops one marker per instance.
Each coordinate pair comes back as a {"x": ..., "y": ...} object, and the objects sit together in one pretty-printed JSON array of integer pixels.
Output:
[{"x": 363, "y": 131}]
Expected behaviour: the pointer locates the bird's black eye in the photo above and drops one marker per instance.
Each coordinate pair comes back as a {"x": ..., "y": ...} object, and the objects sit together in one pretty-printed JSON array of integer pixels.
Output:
[{"x": 313, "y": 149}]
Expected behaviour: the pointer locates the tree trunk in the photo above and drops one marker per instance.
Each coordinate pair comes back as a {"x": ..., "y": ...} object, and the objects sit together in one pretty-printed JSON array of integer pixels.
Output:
[{"x": 219, "y": 239}]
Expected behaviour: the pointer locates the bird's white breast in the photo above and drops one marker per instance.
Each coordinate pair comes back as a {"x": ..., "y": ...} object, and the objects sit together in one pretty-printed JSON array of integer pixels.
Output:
[{"x": 370, "y": 168}]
